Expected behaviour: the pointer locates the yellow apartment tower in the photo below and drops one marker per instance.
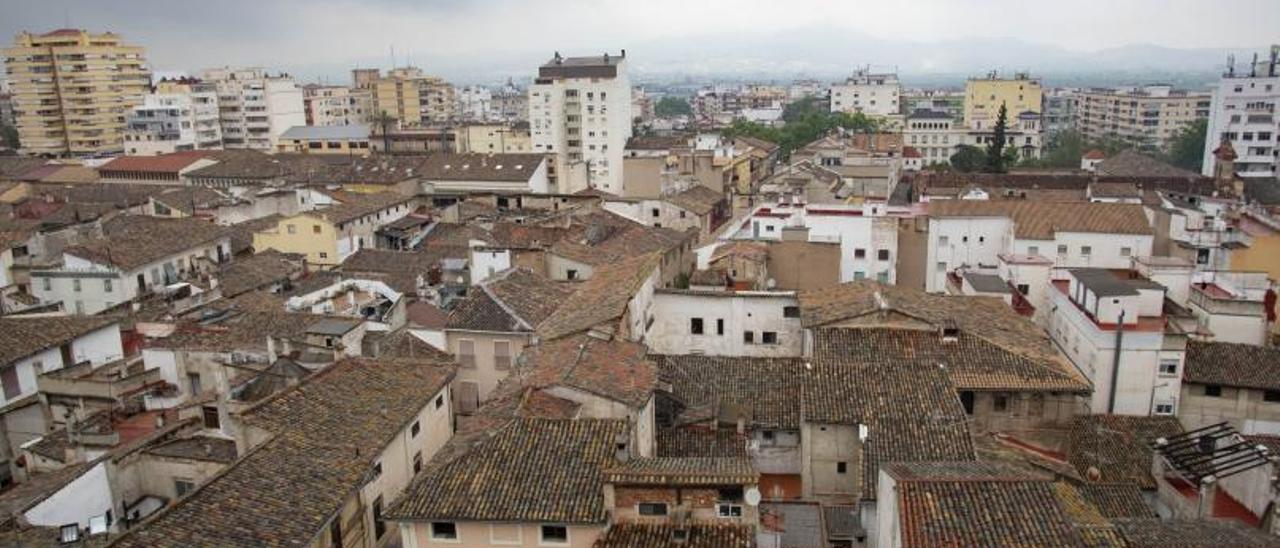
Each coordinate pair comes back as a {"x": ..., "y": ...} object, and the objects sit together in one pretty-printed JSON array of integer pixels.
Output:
[
  {"x": 72, "y": 90},
  {"x": 983, "y": 97}
]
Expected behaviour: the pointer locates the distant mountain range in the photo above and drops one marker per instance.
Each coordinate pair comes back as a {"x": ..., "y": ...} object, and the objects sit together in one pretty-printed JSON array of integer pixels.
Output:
[{"x": 829, "y": 53}]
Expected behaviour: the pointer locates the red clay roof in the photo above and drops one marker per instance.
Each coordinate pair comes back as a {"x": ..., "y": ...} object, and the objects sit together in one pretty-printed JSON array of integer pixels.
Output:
[
  {"x": 1095, "y": 154},
  {"x": 165, "y": 163}
]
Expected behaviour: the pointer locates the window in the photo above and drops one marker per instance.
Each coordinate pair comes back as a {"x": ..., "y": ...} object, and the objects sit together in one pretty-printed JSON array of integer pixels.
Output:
[
  {"x": 502, "y": 354},
  {"x": 439, "y": 401},
  {"x": 182, "y": 486},
  {"x": 210, "y": 415},
  {"x": 106, "y": 285},
  {"x": 1024, "y": 289},
  {"x": 315, "y": 229},
  {"x": 1086, "y": 251},
  {"x": 1062, "y": 249},
  {"x": 882, "y": 255},
  {"x": 1033, "y": 250},
  {"x": 859, "y": 253},
  {"x": 75, "y": 285},
  {"x": 943, "y": 240},
  {"x": 415, "y": 429},
  {"x": 769, "y": 337},
  {"x": 379, "y": 526},
  {"x": 882, "y": 277},
  {"x": 727, "y": 510},
  {"x": 1213, "y": 391},
  {"x": 324, "y": 255},
  {"x": 655, "y": 212},
  {"x": 842, "y": 467},
  {"x": 48, "y": 284},
  {"x": 193, "y": 381},
  {"x": 555, "y": 534},
  {"x": 748, "y": 337},
  {"x": 417, "y": 462},
  {"x": 1126, "y": 251},
  {"x": 790, "y": 312},
  {"x": 1000, "y": 403},
  {"x": 1035, "y": 405},
  {"x": 1164, "y": 408},
  {"x": 444, "y": 530},
  {"x": 1271, "y": 396},
  {"x": 719, "y": 326},
  {"x": 1168, "y": 367},
  {"x": 335, "y": 532},
  {"x": 695, "y": 326},
  {"x": 652, "y": 508},
  {"x": 80, "y": 307},
  {"x": 571, "y": 274},
  {"x": 291, "y": 229},
  {"x": 467, "y": 353}
]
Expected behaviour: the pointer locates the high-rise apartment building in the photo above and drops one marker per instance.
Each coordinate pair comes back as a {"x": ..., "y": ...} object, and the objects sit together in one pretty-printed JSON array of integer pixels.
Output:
[
  {"x": 414, "y": 98},
  {"x": 1148, "y": 117},
  {"x": 177, "y": 115},
  {"x": 1243, "y": 113},
  {"x": 1059, "y": 110},
  {"x": 580, "y": 112},
  {"x": 337, "y": 105},
  {"x": 72, "y": 90},
  {"x": 256, "y": 108},
  {"x": 869, "y": 93},
  {"x": 983, "y": 97}
]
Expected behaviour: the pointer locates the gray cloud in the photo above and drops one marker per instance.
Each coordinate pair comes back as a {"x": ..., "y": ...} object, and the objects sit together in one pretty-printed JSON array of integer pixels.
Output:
[{"x": 468, "y": 40}]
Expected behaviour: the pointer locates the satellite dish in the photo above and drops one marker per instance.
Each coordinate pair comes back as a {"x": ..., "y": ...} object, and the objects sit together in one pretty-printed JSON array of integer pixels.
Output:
[{"x": 752, "y": 496}]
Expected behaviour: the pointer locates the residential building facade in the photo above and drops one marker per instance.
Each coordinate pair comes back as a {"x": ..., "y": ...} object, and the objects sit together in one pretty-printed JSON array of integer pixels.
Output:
[
  {"x": 337, "y": 105},
  {"x": 256, "y": 108},
  {"x": 984, "y": 96},
  {"x": 72, "y": 90},
  {"x": 171, "y": 122},
  {"x": 1148, "y": 117},
  {"x": 1243, "y": 113},
  {"x": 868, "y": 93},
  {"x": 580, "y": 112}
]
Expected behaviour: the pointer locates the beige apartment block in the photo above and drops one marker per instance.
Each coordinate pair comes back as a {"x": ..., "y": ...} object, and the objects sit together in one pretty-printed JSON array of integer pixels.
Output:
[
  {"x": 72, "y": 89},
  {"x": 1148, "y": 117},
  {"x": 413, "y": 97}
]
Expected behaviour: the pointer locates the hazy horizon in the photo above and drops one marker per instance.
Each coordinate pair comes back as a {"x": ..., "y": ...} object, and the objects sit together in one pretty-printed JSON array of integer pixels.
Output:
[{"x": 925, "y": 40}]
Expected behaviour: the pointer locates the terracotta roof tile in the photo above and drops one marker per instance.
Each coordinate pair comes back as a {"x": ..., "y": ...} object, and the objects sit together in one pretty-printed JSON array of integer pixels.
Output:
[
  {"x": 1118, "y": 446},
  {"x": 689, "y": 471},
  {"x": 601, "y": 299},
  {"x": 23, "y": 336},
  {"x": 290, "y": 486},
  {"x": 503, "y": 474},
  {"x": 1034, "y": 220},
  {"x": 131, "y": 241},
  {"x": 165, "y": 163},
  {"x": 699, "y": 535},
  {"x": 615, "y": 369},
  {"x": 1186, "y": 533},
  {"x": 1233, "y": 364},
  {"x": 516, "y": 300}
]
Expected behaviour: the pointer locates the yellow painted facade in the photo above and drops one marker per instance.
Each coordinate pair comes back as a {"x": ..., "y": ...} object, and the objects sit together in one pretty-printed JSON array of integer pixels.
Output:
[
  {"x": 983, "y": 97},
  {"x": 349, "y": 147},
  {"x": 310, "y": 235},
  {"x": 485, "y": 138},
  {"x": 72, "y": 90},
  {"x": 1262, "y": 256},
  {"x": 413, "y": 98}
]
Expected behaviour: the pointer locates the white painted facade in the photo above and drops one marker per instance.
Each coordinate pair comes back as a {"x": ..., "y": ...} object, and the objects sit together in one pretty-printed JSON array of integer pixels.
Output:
[
  {"x": 584, "y": 122},
  {"x": 171, "y": 122},
  {"x": 86, "y": 287},
  {"x": 1243, "y": 111},
  {"x": 979, "y": 241},
  {"x": 256, "y": 109},
  {"x": 726, "y": 323},
  {"x": 867, "y": 234},
  {"x": 870, "y": 94},
  {"x": 96, "y": 347},
  {"x": 84, "y": 498},
  {"x": 485, "y": 262},
  {"x": 1083, "y": 327}
]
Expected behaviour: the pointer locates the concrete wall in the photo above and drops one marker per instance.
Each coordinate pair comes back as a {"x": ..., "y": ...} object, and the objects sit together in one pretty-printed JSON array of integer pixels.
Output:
[
  {"x": 83, "y": 498},
  {"x": 913, "y": 242},
  {"x": 1236, "y": 406},
  {"x": 485, "y": 374},
  {"x": 726, "y": 317},
  {"x": 801, "y": 266},
  {"x": 825, "y": 446},
  {"x": 475, "y": 533}
]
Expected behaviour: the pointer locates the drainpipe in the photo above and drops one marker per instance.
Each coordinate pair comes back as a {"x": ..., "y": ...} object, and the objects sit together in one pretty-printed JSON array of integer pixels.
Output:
[{"x": 1115, "y": 365}]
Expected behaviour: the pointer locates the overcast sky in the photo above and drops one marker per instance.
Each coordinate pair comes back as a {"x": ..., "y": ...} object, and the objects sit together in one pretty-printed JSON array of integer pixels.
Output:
[{"x": 463, "y": 37}]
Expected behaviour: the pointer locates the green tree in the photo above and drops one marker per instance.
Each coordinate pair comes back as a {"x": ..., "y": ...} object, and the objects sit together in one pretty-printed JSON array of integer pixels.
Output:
[
  {"x": 1064, "y": 150},
  {"x": 9, "y": 136},
  {"x": 996, "y": 159},
  {"x": 968, "y": 159},
  {"x": 672, "y": 106},
  {"x": 1187, "y": 148}
]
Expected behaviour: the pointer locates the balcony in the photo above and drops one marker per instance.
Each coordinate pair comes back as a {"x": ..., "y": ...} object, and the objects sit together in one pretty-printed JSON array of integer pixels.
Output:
[{"x": 112, "y": 382}]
